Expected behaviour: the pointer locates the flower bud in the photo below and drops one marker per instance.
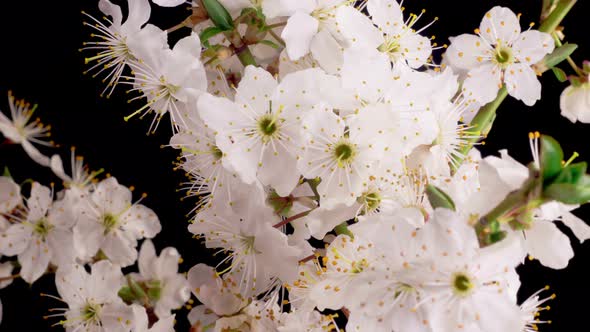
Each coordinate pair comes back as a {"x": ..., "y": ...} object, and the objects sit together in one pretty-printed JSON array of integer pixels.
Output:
[{"x": 575, "y": 103}]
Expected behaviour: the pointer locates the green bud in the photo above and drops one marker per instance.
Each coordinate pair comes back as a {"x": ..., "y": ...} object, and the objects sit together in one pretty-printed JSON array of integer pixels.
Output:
[
  {"x": 219, "y": 15},
  {"x": 551, "y": 157},
  {"x": 497, "y": 237},
  {"x": 6, "y": 172},
  {"x": 136, "y": 288},
  {"x": 571, "y": 173},
  {"x": 439, "y": 198},
  {"x": 154, "y": 290},
  {"x": 126, "y": 294}
]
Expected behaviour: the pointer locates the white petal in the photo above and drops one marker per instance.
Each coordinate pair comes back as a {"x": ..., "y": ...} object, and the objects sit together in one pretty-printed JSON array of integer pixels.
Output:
[
  {"x": 358, "y": 29},
  {"x": 119, "y": 249},
  {"x": 105, "y": 281},
  {"x": 169, "y": 3},
  {"x": 549, "y": 245},
  {"x": 285, "y": 180},
  {"x": 71, "y": 283},
  {"x": 88, "y": 237},
  {"x": 139, "y": 13},
  {"x": 368, "y": 73},
  {"x": 416, "y": 49},
  {"x": 387, "y": 14},
  {"x": 140, "y": 222},
  {"x": 34, "y": 260},
  {"x": 189, "y": 45},
  {"x": 6, "y": 271},
  {"x": 39, "y": 202},
  {"x": 298, "y": 33},
  {"x": 276, "y": 8},
  {"x": 531, "y": 46},
  {"x": 255, "y": 89},
  {"x": 327, "y": 51},
  {"x": 483, "y": 83},
  {"x": 111, "y": 10},
  {"x": 578, "y": 226},
  {"x": 522, "y": 83},
  {"x": 9, "y": 194},
  {"x": 61, "y": 244},
  {"x": 34, "y": 154},
  {"x": 216, "y": 111},
  {"x": 15, "y": 239},
  {"x": 465, "y": 50},
  {"x": 111, "y": 196},
  {"x": 500, "y": 25},
  {"x": 116, "y": 317},
  {"x": 146, "y": 260}
]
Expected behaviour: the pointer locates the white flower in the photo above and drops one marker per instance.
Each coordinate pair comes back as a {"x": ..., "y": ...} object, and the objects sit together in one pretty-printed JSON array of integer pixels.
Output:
[
  {"x": 161, "y": 273},
  {"x": 531, "y": 309},
  {"x": 117, "y": 40},
  {"x": 110, "y": 223},
  {"x": 575, "y": 103},
  {"x": 21, "y": 130},
  {"x": 392, "y": 36},
  {"x": 43, "y": 237},
  {"x": 500, "y": 54},
  {"x": 169, "y": 3},
  {"x": 305, "y": 321},
  {"x": 93, "y": 303},
  {"x": 170, "y": 80},
  {"x": 257, "y": 251},
  {"x": 263, "y": 126}
]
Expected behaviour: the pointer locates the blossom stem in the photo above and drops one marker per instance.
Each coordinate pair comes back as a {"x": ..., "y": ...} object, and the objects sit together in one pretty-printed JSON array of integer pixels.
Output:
[
  {"x": 482, "y": 123},
  {"x": 552, "y": 21},
  {"x": 294, "y": 217},
  {"x": 569, "y": 59}
]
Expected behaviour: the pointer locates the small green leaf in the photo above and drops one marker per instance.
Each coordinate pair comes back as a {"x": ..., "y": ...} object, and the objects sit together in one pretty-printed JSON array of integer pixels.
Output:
[
  {"x": 219, "y": 15},
  {"x": 269, "y": 43},
  {"x": 209, "y": 32},
  {"x": 6, "y": 172},
  {"x": 559, "y": 54},
  {"x": 126, "y": 294},
  {"x": 559, "y": 74},
  {"x": 439, "y": 198},
  {"x": 568, "y": 193},
  {"x": 551, "y": 157}
]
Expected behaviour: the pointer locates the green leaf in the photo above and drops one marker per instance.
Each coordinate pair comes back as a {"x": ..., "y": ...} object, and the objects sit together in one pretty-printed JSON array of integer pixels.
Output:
[
  {"x": 439, "y": 198},
  {"x": 206, "y": 34},
  {"x": 219, "y": 15},
  {"x": 559, "y": 54},
  {"x": 559, "y": 74},
  {"x": 572, "y": 173},
  {"x": 551, "y": 157},
  {"x": 6, "y": 172},
  {"x": 568, "y": 193},
  {"x": 269, "y": 43}
]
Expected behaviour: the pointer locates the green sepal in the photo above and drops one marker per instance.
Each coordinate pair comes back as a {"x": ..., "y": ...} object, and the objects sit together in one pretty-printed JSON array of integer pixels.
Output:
[
  {"x": 551, "y": 157},
  {"x": 571, "y": 173},
  {"x": 559, "y": 74},
  {"x": 568, "y": 193},
  {"x": 208, "y": 33},
  {"x": 343, "y": 229},
  {"x": 586, "y": 67},
  {"x": 154, "y": 290},
  {"x": 126, "y": 294},
  {"x": 497, "y": 237},
  {"x": 439, "y": 198},
  {"x": 218, "y": 15},
  {"x": 136, "y": 288},
  {"x": 269, "y": 43},
  {"x": 281, "y": 205},
  {"x": 6, "y": 172}
]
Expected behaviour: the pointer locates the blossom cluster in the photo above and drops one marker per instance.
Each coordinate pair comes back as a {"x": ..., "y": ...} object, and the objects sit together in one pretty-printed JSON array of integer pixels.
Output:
[{"x": 330, "y": 165}]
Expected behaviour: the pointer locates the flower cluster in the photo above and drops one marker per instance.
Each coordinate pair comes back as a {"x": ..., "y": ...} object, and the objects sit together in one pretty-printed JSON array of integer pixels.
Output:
[{"x": 331, "y": 165}]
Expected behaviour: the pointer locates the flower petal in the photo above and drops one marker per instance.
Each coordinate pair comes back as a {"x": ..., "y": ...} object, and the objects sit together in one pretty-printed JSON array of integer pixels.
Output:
[
  {"x": 358, "y": 29},
  {"x": 500, "y": 26},
  {"x": 532, "y": 45},
  {"x": 549, "y": 245},
  {"x": 482, "y": 83},
  {"x": 387, "y": 14},
  {"x": 298, "y": 34},
  {"x": 34, "y": 260},
  {"x": 522, "y": 83},
  {"x": 465, "y": 50}
]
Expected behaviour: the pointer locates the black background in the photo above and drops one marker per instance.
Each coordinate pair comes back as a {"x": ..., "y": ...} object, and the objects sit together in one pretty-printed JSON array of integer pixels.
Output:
[{"x": 40, "y": 62}]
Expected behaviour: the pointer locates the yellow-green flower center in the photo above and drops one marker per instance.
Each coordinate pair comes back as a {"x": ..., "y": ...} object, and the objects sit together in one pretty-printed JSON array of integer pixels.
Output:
[{"x": 462, "y": 284}]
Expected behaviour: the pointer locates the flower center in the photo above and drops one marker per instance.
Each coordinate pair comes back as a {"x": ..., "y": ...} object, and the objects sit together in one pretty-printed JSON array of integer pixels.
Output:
[
  {"x": 503, "y": 56},
  {"x": 248, "y": 242},
  {"x": 42, "y": 227},
  {"x": 370, "y": 201},
  {"x": 344, "y": 152},
  {"x": 462, "y": 284},
  {"x": 90, "y": 312},
  {"x": 267, "y": 126},
  {"x": 109, "y": 222},
  {"x": 216, "y": 152}
]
